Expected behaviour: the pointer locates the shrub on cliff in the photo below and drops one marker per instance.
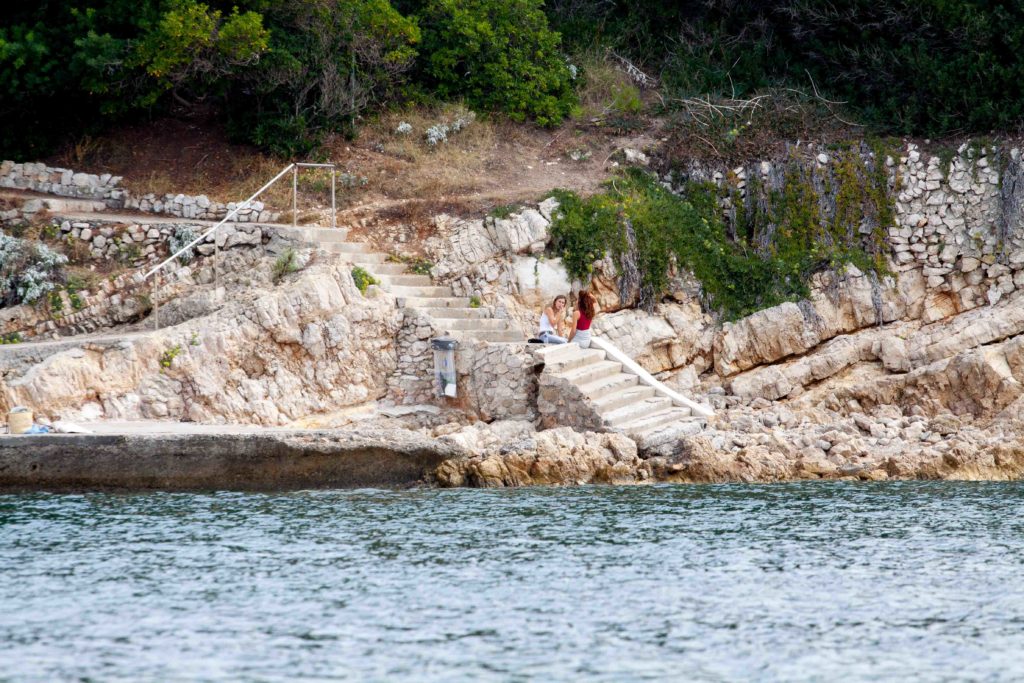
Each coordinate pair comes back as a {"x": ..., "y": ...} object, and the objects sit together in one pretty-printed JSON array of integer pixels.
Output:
[{"x": 778, "y": 234}]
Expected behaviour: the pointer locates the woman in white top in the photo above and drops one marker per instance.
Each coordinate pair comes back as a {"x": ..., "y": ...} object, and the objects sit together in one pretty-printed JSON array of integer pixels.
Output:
[{"x": 552, "y": 322}]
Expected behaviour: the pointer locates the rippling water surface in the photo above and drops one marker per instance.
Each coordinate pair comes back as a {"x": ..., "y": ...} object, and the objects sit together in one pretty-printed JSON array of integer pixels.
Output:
[{"x": 787, "y": 582}]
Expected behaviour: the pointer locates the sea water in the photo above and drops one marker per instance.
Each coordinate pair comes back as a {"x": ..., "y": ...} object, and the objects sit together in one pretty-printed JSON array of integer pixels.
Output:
[{"x": 809, "y": 581}]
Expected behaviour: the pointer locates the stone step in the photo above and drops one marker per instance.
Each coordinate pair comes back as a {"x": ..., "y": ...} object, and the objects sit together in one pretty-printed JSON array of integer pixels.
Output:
[
  {"x": 382, "y": 268},
  {"x": 592, "y": 372},
  {"x": 488, "y": 335},
  {"x": 638, "y": 409},
  {"x": 433, "y": 301},
  {"x": 472, "y": 324},
  {"x": 346, "y": 247},
  {"x": 450, "y": 313},
  {"x": 610, "y": 402},
  {"x": 571, "y": 361},
  {"x": 404, "y": 279},
  {"x": 419, "y": 291},
  {"x": 607, "y": 385},
  {"x": 649, "y": 422}
]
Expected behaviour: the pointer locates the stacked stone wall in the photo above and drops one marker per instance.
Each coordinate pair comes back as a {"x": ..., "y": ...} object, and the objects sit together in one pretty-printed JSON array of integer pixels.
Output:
[{"x": 38, "y": 177}]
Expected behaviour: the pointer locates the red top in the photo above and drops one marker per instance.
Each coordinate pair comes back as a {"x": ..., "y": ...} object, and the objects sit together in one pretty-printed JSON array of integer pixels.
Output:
[{"x": 583, "y": 323}]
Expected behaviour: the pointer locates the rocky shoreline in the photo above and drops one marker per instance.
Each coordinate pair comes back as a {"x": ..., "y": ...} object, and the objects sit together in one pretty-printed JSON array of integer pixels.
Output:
[
  {"x": 918, "y": 373},
  {"x": 745, "y": 445}
]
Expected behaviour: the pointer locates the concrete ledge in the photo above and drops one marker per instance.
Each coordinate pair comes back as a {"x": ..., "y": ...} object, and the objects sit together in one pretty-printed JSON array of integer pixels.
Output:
[{"x": 236, "y": 461}]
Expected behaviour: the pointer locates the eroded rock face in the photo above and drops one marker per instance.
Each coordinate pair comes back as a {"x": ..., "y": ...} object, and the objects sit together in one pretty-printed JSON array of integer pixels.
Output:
[
  {"x": 311, "y": 345},
  {"x": 512, "y": 454}
]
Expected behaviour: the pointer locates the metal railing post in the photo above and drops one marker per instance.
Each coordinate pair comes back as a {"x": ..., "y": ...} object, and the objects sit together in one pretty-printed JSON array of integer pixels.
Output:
[
  {"x": 295, "y": 196},
  {"x": 156, "y": 303},
  {"x": 216, "y": 257},
  {"x": 334, "y": 204}
]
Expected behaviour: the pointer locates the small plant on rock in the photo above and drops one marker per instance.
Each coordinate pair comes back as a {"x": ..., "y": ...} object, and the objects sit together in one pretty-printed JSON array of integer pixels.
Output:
[
  {"x": 474, "y": 301},
  {"x": 286, "y": 263},
  {"x": 503, "y": 211},
  {"x": 363, "y": 279},
  {"x": 10, "y": 338},
  {"x": 168, "y": 356},
  {"x": 178, "y": 239}
]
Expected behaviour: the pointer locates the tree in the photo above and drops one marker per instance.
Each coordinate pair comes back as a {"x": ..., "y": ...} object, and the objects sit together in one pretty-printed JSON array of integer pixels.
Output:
[{"x": 499, "y": 55}]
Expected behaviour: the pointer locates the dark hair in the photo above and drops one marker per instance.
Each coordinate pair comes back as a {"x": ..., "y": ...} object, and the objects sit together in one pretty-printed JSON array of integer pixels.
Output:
[
  {"x": 586, "y": 304},
  {"x": 555, "y": 300}
]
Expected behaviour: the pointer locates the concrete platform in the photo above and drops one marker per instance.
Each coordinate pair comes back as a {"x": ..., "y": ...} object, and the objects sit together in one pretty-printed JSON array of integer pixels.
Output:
[{"x": 184, "y": 456}]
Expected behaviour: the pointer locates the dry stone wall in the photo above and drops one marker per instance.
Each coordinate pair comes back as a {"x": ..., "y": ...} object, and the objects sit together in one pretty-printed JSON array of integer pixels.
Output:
[
  {"x": 64, "y": 182},
  {"x": 498, "y": 380}
]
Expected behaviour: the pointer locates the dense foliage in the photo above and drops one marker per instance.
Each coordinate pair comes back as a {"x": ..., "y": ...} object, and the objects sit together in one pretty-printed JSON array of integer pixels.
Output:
[
  {"x": 761, "y": 253},
  {"x": 922, "y": 67},
  {"x": 282, "y": 73},
  {"x": 497, "y": 54}
]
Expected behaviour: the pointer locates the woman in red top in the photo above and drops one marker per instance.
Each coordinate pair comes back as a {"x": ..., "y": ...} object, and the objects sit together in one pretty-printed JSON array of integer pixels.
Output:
[{"x": 581, "y": 319}]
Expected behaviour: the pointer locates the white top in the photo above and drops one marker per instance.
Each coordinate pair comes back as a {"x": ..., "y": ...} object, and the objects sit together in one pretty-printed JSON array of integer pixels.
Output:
[{"x": 545, "y": 324}]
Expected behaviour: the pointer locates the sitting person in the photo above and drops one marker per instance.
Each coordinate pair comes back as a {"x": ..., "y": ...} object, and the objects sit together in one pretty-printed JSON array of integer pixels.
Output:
[
  {"x": 552, "y": 322},
  {"x": 581, "y": 319}
]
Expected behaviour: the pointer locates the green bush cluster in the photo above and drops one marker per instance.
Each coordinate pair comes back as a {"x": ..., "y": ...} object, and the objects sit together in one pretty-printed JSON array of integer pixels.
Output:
[
  {"x": 764, "y": 253},
  {"x": 497, "y": 55},
  {"x": 281, "y": 73}
]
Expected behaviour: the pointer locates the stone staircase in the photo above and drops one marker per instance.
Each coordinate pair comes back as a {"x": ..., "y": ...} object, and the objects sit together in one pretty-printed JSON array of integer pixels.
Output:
[
  {"x": 643, "y": 410},
  {"x": 450, "y": 313}
]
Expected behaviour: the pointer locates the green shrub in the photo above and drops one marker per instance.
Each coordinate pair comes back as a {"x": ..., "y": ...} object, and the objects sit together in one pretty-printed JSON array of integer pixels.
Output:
[
  {"x": 474, "y": 301},
  {"x": 498, "y": 55},
  {"x": 363, "y": 279},
  {"x": 11, "y": 338}
]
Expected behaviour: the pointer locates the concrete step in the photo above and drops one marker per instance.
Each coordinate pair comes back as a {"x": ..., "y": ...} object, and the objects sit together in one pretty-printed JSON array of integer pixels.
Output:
[
  {"x": 624, "y": 397},
  {"x": 432, "y": 302},
  {"x": 608, "y": 385},
  {"x": 449, "y": 313},
  {"x": 592, "y": 372},
  {"x": 488, "y": 335},
  {"x": 651, "y": 421},
  {"x": 420, "y": 291},
  {"x": 636, "y": 410},
  {"x": 404, "y": 280},
  {"x": 326, "y": 235},
  {"x": 550, "y": 353},
  {"x": 581, "y": 357},
  {"x": 472, "y": 323},
  {"x": 346, "y": 247},
  {"x": 382, "y": 268},
  {"x": 366, "y": 259}
]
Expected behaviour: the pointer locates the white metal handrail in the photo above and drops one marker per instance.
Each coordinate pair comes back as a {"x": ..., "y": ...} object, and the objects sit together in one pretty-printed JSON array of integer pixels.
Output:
[{"x": 294, "y": 168}]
